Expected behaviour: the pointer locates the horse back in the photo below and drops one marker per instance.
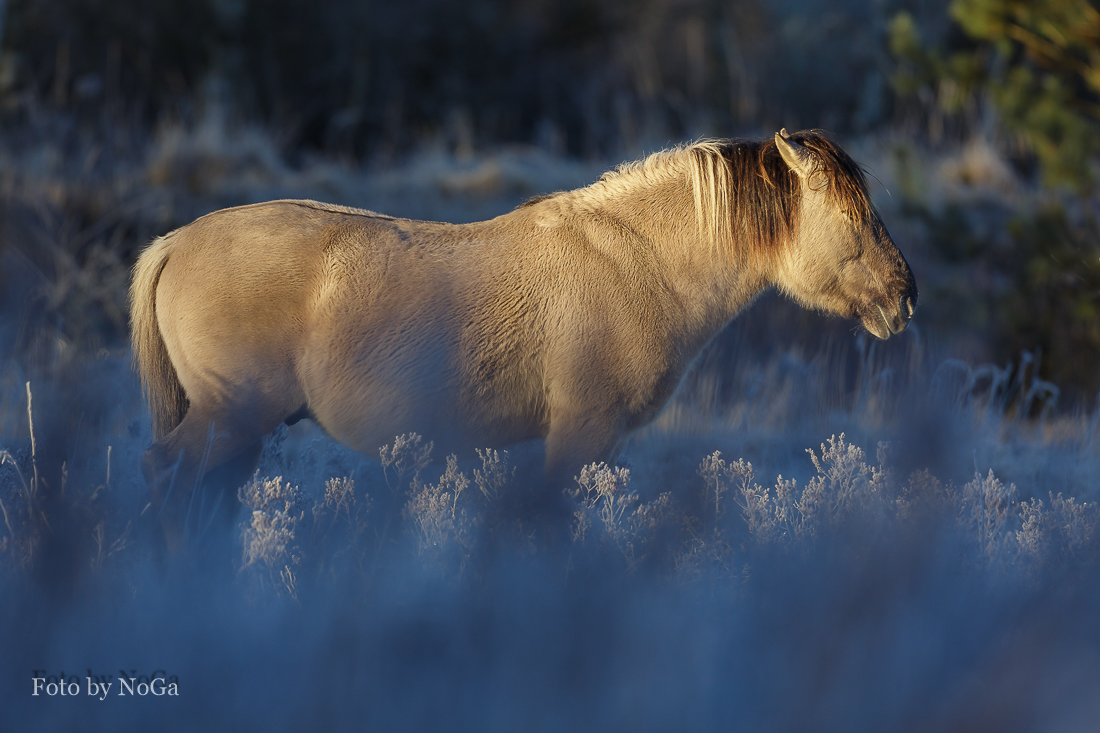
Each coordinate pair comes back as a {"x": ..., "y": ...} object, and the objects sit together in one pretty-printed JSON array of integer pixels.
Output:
[{"x": 233, "y": 300}]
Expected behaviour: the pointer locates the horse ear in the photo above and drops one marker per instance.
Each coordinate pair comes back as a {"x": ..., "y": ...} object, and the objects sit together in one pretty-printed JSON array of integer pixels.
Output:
[{"x": 800, "y": 160}]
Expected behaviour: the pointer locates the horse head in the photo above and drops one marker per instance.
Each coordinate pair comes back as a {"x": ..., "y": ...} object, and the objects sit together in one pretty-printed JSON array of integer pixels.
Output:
[{"x": 840, "y": 258}]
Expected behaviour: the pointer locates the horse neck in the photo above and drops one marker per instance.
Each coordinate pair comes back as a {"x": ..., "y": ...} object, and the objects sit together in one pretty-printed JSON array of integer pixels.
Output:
[{"x": 708, "y": 283}]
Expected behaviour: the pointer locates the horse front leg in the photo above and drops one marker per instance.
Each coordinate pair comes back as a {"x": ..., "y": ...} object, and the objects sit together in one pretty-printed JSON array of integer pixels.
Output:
[{"x": 575, "y": 441}]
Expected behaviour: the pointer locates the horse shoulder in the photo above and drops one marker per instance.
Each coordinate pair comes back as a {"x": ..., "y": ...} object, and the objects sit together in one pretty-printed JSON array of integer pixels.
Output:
[{"x": 606, "y": 341}]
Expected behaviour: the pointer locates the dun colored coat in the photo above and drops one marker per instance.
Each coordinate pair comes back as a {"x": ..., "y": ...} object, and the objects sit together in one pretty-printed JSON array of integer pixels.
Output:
[{"x": 572, "y": 318}]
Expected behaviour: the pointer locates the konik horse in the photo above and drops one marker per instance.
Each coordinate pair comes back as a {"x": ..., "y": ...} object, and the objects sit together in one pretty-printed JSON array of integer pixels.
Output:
[{"x": 572, "y": 318}]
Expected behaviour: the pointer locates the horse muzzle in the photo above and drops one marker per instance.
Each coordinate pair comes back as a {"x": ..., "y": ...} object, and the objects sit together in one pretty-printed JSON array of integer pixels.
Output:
[{"x": 884, "y": 323}]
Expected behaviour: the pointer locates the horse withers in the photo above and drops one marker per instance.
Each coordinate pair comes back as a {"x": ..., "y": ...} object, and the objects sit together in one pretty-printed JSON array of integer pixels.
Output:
[{"x": 572, "y": 318}]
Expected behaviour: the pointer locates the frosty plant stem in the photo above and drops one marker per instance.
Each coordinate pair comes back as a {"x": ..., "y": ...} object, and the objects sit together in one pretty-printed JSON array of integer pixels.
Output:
[{"x": 34, "y": 456}]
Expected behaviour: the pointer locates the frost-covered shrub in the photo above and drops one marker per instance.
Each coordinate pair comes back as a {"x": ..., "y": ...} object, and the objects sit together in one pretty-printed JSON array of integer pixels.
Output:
[
  {"x": 445, "y": 525},
  {"x": 339, "y": 524},
  {"x": 984, "y": 510},
  {"x": 404, "y": 459},
  {"x": 270, "y": 540},
  {"x": 606, "y": 507},
  {"x": 495, "y": 474}
]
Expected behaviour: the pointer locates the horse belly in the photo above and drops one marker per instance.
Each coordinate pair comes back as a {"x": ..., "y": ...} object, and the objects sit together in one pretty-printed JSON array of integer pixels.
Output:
[
  {"x": 375, "y": 377},
  {"x": 365, "y": 404}
]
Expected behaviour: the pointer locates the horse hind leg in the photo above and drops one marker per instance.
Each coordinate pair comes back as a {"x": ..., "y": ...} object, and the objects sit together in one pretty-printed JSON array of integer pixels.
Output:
[
  {"x": 220, "y": 486},
  {"x": 223, "y": 440}
]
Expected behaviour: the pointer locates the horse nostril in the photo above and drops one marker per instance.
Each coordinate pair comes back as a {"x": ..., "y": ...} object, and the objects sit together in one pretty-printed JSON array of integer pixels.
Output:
[{"x": 907, "y": 308}]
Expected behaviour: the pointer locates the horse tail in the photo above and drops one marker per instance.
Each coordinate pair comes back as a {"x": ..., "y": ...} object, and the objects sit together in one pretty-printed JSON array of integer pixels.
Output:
[{"x": 163, "y": 390}]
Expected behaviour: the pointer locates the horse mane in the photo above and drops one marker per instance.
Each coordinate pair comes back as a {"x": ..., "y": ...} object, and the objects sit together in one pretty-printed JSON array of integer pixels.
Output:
[{"x": 746, "y": 198}]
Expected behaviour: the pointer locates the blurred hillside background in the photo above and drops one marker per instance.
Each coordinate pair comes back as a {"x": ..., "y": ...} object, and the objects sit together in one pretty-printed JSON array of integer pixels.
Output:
[{"x": 980, "y": 118}]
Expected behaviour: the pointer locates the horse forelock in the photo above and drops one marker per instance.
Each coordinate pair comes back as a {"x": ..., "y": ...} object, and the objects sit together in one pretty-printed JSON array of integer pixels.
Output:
[{"x": 847, "y": 179}]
